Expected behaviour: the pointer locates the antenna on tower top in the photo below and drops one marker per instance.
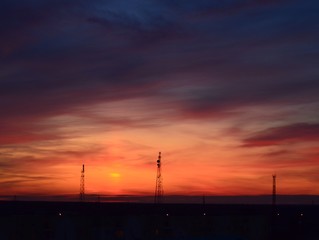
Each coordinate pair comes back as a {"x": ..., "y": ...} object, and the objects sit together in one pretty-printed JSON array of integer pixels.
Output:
[
  {"x": 82, "y": 192},
  {"x": 159, "y": 182}
]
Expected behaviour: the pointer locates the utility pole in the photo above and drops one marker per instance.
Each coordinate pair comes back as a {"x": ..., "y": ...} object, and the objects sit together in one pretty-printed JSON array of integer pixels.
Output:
[
  {"x": 82, "y": 192},
  {"x": 274, "y": 194},
  {"x": 159, "y": 182}
]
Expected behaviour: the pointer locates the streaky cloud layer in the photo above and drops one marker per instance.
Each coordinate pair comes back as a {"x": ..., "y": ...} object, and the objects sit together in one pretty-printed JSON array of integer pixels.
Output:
[{"x": 227, "y": 90}]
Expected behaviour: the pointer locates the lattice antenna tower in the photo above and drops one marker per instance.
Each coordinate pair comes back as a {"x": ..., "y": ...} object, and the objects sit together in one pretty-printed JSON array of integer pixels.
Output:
[
  {"x": 159, "y": 192},
  {"x": 82, "y": 192},
  {"x": 274, "y": 194}
]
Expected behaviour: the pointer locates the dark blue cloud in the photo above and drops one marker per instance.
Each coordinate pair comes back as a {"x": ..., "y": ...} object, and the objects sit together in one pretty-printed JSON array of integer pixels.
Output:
[{"x": 57, "y": 55}]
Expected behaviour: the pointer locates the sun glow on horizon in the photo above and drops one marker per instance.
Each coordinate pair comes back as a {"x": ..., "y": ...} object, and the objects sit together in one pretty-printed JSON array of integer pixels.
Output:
[{"x": 115, "y": 175}]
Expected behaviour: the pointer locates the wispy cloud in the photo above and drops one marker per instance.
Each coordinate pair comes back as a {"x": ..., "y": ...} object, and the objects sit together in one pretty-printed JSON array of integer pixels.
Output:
[{"x": 298, "y": 132}]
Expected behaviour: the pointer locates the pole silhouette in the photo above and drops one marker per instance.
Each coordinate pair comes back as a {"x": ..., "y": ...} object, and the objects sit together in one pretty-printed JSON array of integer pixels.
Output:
[
  {"x": 82, "y": 190},
  {"x": 159, "y": 182}
]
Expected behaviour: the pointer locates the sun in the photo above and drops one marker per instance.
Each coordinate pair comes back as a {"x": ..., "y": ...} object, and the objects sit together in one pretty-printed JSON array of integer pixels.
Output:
[{"x": 115, "y": 175}]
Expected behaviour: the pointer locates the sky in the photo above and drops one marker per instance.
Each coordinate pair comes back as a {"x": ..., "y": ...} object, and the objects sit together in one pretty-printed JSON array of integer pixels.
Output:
[{"x": 228, "y": 91}]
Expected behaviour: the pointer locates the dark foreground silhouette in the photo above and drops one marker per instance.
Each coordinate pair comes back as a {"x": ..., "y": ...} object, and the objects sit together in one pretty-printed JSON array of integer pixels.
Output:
[{"x": 75, "y": 220}]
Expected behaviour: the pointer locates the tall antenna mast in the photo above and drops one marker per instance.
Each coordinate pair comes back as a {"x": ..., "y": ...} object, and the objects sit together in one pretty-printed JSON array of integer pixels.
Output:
[
  {"x": 82, "y": 193},
  {"x": 274, "y": 194},
  {"x": 159, "y": 182}
]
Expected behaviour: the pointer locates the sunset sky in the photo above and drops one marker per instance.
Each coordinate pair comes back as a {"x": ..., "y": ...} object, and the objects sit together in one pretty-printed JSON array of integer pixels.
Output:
[{"x": 228, "y": 91}]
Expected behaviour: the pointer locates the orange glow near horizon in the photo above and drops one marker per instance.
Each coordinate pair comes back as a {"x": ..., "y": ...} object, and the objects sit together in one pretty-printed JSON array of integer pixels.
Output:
[{"x": 122, "y": 160}]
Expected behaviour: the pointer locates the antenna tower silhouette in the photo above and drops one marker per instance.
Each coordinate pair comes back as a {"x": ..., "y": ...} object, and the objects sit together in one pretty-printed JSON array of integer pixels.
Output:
[
  {"x": 274, "y": 194},
  {"x": 159, "y": 182},
  {"x": 82, "y": 193}
]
